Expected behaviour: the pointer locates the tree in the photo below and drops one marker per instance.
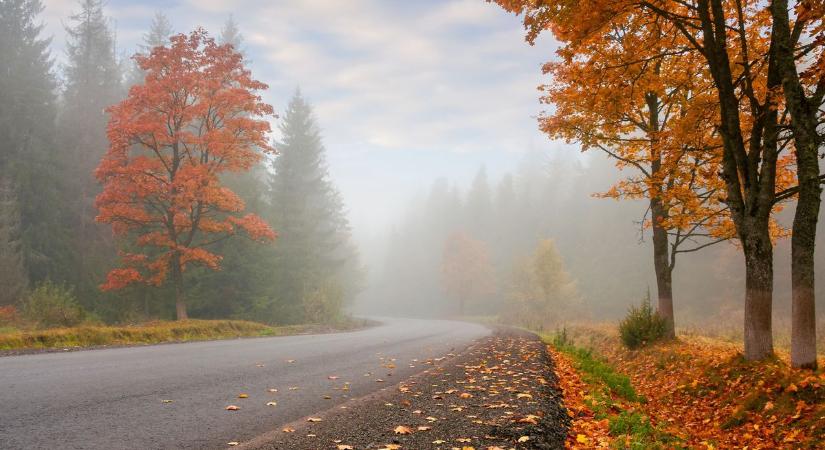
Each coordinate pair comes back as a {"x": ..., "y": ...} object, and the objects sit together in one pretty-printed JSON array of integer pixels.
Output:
[
  {"x": 13, "y": 278},
  {"x": 231, "y": 34},
  {"x": 736, "y": 43},
  {"x": 309, "y": 214},
  {"x": 197, "y": 115},
  {"x": 92, "y": 83},
  {"x": 158, "y": 35},
  {"x": 542, "y": 291},
  {"x": 466, "y": 272},
  {"x": 29, "y": 158}
]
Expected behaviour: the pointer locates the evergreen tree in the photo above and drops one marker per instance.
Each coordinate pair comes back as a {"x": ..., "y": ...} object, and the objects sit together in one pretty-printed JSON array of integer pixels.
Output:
[
  {"x": 158, "y": 35},
  {"x": 92, "y": 83},
  {"x": 307, "y": 212},
  {"x": 28, "y": 155},
  {"x": 231, "y": 34},
  {"x": 12, "y": 275}
]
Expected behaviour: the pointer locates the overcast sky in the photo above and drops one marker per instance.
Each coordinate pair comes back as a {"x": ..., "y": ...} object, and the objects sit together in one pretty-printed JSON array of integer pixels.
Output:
[{"x": 405, "y": 91}]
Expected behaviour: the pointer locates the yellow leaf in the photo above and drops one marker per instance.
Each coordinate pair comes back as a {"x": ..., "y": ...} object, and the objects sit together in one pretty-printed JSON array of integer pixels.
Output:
[
  {"x": 401, "y": 429},
  {"x": 581, "y": 439},
  {"x": 315, "y": 419},
  {"x": 524, "y": 439},
  {"x": 243, "y": 395}
]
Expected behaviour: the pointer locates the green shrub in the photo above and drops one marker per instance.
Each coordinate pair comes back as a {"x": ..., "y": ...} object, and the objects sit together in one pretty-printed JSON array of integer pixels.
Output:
[
  {"x": 51, "y": 305},
  {"x": 323, "y": 305},
  {"x": 642, "y": 325}
]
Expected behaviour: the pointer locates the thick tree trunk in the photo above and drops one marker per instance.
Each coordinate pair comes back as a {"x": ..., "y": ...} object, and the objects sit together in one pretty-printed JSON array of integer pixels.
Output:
[
  {"x": 804, "y": 126},
  {"x": 180, "y": 295},
  {"x": 661, "y": 265},
  {"x": 758, "y": 251},
  {"x": 803, "y": 309}
]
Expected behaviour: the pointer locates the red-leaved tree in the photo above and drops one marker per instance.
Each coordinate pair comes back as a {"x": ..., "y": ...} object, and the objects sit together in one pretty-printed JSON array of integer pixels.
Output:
[{"x": 197, "y": 114}]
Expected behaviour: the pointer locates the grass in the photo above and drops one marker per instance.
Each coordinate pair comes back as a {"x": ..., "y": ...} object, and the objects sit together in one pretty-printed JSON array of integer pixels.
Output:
[
  {"x": 153, "y": 333},
  {"x": 612, "y": 397}
]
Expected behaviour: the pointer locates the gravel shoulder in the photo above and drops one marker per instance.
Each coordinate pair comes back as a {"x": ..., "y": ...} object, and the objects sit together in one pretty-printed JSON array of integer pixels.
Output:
[{"x": 500, "y": 393}]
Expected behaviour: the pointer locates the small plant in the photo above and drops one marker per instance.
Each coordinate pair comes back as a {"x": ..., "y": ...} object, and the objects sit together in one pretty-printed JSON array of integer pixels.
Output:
[
  {"x": 52, "y": 305},
  {"x": 642, "y": 325}
]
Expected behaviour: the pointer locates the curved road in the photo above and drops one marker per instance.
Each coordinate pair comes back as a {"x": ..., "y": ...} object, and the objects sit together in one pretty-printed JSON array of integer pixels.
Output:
[{"x": 113, "y": 398}]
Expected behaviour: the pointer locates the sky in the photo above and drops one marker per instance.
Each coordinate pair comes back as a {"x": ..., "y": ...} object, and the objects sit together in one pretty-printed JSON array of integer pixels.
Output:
[{"x": 404, "y": 91}]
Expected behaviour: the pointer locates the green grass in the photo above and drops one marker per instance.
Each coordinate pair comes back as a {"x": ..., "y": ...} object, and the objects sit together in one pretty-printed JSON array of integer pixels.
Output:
[
  {"x": 153, "y": 333},
  {"x": 632, "y": 429}
]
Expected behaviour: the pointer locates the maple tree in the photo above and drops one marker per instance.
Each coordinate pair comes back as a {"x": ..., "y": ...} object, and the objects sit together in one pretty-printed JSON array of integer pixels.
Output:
[
  {"x": 198, "y": 114},
  {"x": 466, "y": 270},
  {"x": 753, "y": 61}
]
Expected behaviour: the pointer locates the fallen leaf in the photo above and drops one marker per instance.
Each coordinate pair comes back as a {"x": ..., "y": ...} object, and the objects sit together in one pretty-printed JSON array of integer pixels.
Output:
[
  {"x": 288, "y": 430},
  {"x": 271, "y": 404},
  {"x": 423, "y": 428},
  {"x": 315, "y": 419},
  {"x": 232, "y": 444},
  {"x": 344, "y": 447},
  {"x": 166, "y": 401},
  {"x": 401, "y": 429},
  {"x": 524, "y": 439},
  {"x": 243, "y": 395},
  {"x": 232, "y": 408}
]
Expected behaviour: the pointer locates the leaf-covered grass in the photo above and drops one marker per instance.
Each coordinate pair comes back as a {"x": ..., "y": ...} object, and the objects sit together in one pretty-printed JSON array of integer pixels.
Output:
[
  {"x": 696, "y": 393},
  {"x": 153, "y": 333},
  {"x": 609, "y": 411}
]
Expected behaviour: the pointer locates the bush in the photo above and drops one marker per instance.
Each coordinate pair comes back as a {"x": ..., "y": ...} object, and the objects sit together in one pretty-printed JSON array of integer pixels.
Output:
[
  {"x": 323, "y": 305},
  {"x": 51, "y": 305},
  {"x": 642, "y": 325}
]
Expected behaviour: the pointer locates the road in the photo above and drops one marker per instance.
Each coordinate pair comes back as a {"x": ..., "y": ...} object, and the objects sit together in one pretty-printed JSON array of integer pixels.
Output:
[{"x": 114, "y": 398}]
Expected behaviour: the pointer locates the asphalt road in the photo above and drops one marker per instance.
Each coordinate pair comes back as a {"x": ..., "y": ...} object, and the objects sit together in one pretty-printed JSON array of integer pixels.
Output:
[{"x": 114, "y": 398}]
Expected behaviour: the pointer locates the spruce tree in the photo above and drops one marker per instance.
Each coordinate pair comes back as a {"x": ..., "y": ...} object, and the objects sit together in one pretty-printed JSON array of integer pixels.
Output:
[
  {"x": 313, "y": 247},
  {"x": 28, "y": 153},
  {"x": 13, "y": 278},
  {"x": 92, "y": 83}
]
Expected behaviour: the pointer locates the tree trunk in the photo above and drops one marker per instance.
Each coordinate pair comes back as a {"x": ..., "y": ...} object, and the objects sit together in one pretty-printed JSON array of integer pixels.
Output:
[
  {"x": 804, "y": 126},
  {"x": 803, "y": 306},
  {"x": 661, "y": 265},
  {"x": 758, "y": 251},
  {"x": 180, "y": 296}
]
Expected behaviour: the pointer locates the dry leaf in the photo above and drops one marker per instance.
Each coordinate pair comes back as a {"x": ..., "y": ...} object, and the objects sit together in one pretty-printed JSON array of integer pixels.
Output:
[
  {"x": 401, "y": 429},
  {"x": 232, "y": 408}
]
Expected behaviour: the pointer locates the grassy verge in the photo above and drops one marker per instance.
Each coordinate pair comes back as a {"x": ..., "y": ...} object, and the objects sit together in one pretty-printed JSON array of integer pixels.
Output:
[
  {"x": 689, "y": 393},
  {"x": 610, "y": 402},
  {"x": 156, "y": 332}
]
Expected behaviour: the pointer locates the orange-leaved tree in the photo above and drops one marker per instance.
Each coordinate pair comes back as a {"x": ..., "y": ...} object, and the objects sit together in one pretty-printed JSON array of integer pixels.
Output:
[
  {"x": 744, "y": 50},
  {"x": 466, "y": 271},
  {"x": 198, "y": 114}
]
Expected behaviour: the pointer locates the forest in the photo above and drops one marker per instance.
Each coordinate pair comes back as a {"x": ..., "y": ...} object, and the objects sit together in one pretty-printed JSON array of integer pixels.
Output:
[
  {"x": 62, "y": 265},
  {"x": 639, "y": 272}
]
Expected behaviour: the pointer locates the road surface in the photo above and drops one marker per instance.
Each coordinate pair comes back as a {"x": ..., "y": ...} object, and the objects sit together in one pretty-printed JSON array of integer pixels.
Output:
[{"x": 114, "y": 398}]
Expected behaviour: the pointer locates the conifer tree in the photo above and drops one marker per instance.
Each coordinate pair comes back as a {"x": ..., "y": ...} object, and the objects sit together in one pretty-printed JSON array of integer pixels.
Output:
[{"x": 306, "y": 209}]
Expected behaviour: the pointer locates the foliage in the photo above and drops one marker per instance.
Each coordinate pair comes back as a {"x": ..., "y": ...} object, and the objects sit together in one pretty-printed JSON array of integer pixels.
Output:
[
  {"x": 466, "y": 272},
  {"x": 162, "y": 189},
  {"x": 314, "y": 242},
  {"x": 697, "y": 392},
  {"x": 642, "y": 325},
  {"x": 52, "y": 305},
  {"x": 542, "y": 293},
  {"x": 13, "y": 278},
  {"x": 323, "y": 304}
]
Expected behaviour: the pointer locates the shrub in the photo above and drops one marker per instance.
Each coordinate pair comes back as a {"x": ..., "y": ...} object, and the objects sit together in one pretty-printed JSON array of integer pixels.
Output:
[
  {"x": 8, "y": 315},
  {"x": 642, "y": 325},
  {"x": 323, "y": 305},
  {"x": 51, "y": 305}
]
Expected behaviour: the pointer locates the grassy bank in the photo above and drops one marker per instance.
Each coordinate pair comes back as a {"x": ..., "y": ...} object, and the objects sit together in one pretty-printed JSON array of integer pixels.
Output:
[
  {"x": 689, "y": 393},
  {"x": 155, "y": 332}
]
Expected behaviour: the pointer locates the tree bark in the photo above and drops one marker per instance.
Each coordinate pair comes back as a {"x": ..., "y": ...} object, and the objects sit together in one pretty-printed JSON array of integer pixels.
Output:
[
  {"x": 661, "y": 265},
  {"x": 804, "y": 126},
  {"x": 758, "y": 251},
  {"x": 180, "y": 295}
]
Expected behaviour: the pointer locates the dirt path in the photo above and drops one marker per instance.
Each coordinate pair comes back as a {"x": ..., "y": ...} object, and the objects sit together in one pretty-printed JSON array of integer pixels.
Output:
[{"x": 500, "y": 393}]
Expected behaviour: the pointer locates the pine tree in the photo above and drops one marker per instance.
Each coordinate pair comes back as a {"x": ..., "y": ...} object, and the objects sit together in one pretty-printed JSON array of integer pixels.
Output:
[
  {"x": 308, "y": 213},
  {"x": 92, "y": 83},
  {"x": 158, "y": 35},
  {"x": 28, "y": 154},
  {"x": 231, "y": 34},
  {"x": 12, "y": 274}
]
